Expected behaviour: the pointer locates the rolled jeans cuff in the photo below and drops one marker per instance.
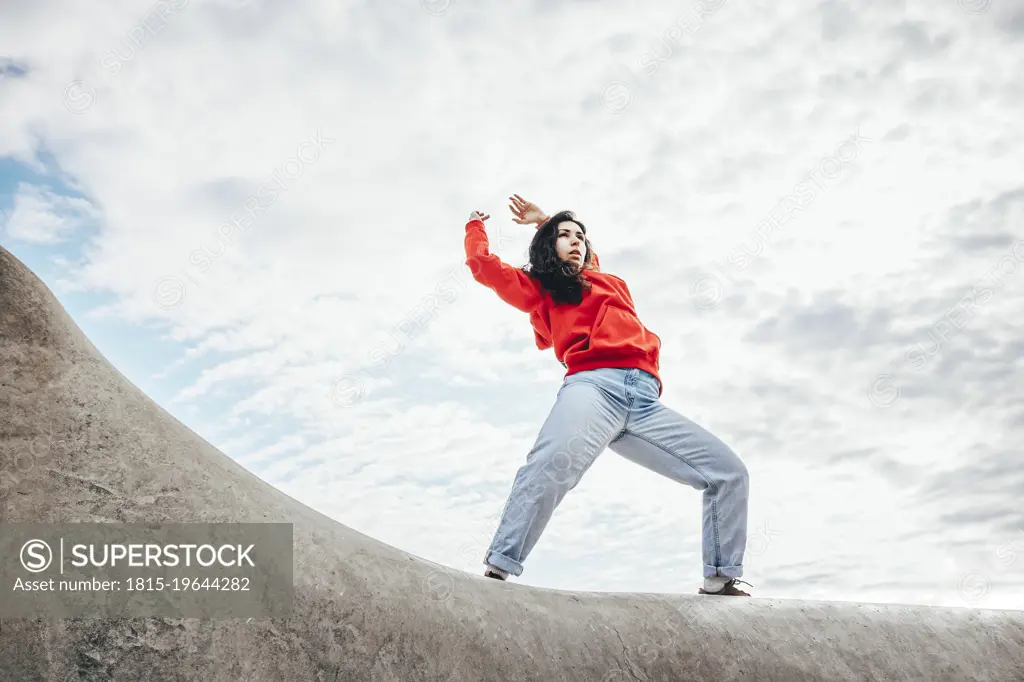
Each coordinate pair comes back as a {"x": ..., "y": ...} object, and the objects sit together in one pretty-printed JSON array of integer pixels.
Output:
[
  {"x": 724, "y": 571},
  {"x": 504, "y": 563}
]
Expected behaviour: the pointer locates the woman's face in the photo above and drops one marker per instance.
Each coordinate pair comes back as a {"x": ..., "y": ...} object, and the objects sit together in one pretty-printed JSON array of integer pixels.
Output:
[{"x": 571, "y": 244}]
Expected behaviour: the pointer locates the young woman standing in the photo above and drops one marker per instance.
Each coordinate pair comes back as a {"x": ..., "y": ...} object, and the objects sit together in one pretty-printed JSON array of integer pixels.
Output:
[{"x": 609, "y": 398}]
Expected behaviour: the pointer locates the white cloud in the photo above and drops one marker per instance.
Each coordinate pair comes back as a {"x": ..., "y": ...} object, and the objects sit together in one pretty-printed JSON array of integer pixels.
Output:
[{"x": 40, "y": 216}]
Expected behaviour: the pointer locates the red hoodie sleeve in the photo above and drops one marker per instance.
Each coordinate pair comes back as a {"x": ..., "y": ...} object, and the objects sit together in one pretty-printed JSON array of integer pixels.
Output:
[{"x": 511, "y": 284}]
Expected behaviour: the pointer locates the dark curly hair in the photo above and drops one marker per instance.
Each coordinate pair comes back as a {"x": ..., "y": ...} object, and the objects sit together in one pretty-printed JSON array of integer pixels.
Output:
[{"x": 560, "y": 278}]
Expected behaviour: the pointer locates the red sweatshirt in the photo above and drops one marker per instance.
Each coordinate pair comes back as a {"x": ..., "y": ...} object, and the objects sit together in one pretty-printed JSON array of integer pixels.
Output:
[{"x": 603, "y": 330}]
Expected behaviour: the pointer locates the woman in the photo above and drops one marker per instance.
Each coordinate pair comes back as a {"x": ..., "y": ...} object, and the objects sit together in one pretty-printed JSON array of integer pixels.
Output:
[{"x": 609, "y": 397}]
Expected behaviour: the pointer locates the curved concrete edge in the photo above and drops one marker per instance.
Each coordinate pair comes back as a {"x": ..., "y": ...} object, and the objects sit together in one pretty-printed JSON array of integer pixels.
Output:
[{"x": 365, "y": 610}]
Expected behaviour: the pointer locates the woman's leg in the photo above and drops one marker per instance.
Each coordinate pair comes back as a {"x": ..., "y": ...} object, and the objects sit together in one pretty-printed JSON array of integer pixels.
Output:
[
  {"x": 589, "y": 411},
  {"x": 666, "y": 442}
]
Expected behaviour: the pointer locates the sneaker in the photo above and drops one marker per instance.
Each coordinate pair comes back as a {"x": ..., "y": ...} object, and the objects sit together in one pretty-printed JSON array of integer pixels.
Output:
[
  {"x": 491, "y": 574},
  {"x": 729, "y": 589}
]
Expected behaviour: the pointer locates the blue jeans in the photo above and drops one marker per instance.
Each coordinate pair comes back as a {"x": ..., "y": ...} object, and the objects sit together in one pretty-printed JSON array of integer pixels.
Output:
[{"x": 618, "y": 408}]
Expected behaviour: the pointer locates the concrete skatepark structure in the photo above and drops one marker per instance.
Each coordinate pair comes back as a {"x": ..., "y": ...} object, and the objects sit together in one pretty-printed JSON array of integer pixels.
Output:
[{"x": 80, "y": 443}]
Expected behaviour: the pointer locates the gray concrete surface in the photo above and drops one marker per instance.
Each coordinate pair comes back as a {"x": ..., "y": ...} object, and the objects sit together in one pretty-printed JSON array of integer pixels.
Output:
[{"x": 81, "y": 443}]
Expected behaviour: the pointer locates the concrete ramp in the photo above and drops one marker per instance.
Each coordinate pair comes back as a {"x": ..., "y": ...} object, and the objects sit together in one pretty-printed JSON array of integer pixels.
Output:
[{"x": 80, "y": 443}]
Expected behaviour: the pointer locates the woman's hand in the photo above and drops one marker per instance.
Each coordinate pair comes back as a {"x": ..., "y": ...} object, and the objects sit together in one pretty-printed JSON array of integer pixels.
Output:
[
  {"x": 525, "y": 212},
  {"x": 477, "y": 215}
]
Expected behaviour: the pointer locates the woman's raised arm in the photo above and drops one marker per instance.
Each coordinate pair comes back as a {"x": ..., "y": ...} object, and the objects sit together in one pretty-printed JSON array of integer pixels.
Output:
[{"x": 511, "y": 284}]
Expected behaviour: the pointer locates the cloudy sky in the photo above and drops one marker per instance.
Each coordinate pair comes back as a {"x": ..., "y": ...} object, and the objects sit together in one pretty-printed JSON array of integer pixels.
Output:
[{"x": 256, "y": 212}]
